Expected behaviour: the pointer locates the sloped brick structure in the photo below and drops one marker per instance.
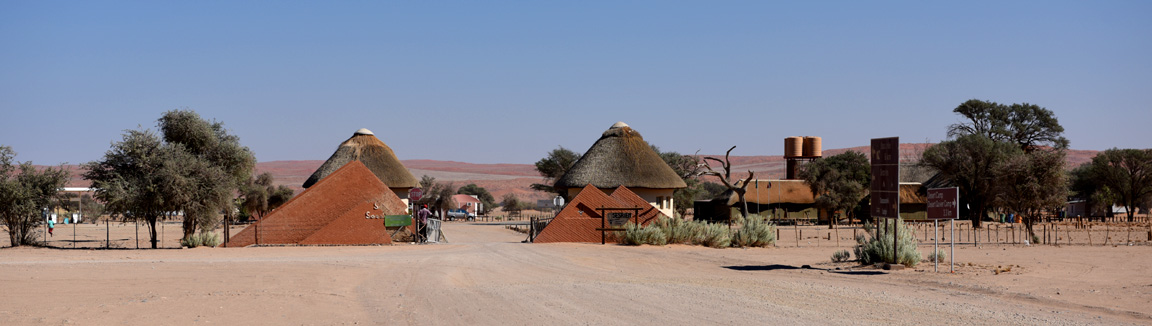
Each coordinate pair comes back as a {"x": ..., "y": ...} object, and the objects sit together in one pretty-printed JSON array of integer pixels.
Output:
[
  {"x": 580, "y": 220},
  {"x": 344, "y": 208}
]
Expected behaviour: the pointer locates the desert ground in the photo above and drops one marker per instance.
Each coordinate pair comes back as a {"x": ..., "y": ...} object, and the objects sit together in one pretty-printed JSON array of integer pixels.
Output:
[{"x": 484, "y": 275}]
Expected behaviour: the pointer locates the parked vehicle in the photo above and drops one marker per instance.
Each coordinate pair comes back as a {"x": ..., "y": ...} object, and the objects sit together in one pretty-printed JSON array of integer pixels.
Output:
[{"x": 461, "y": 214}]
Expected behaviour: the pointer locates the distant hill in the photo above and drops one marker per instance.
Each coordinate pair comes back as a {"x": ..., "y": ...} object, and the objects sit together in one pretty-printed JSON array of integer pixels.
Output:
[{"x": 501, "y": 179}]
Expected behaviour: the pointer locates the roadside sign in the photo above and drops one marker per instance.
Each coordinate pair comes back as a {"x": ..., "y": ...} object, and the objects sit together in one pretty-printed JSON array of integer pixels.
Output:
[
  {"x": 943, "y": 203},
  {"x": 885, "y": 186},
  {"x": 397, "y": 220},
  {"x": 415, "y": 194}
]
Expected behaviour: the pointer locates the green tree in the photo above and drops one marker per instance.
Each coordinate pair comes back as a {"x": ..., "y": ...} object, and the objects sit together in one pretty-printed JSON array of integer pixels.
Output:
[
  {"x": 839, "y": 182},
  {"x": 1031, "y": 183},
  {"x": 129, "y": 179},
  {"x": 210, "y": 166},
  {"x": 511, "y": 204},
  {"x": 437, "y": 195},
  {"x": 1117, "y": 175},
  {"x": 970, "y": 162},
  {"x": 23, "y": 194},
  {"x": 553, "y": 166},
  {"x": 485, "y": 197},
  {"x": 996, "y": 143},
  {"x": 261, "y": 196},
  {"x": 689, "y": 168},
  {"x": 1026, "y": 125}
]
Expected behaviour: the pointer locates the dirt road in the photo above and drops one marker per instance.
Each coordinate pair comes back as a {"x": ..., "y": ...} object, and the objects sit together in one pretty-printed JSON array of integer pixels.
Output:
[{"x": 485, "y": 276}]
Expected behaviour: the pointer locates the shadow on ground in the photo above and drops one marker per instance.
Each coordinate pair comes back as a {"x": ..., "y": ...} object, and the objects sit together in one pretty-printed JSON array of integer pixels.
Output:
[{"x": 774, "y": 267}]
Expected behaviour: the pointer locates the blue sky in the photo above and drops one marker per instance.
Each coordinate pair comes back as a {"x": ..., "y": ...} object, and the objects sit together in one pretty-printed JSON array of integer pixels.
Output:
[{"x": 507, "y": 81}]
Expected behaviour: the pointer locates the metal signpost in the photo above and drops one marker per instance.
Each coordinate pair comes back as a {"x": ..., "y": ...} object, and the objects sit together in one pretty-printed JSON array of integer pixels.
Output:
[
  {"x": 944, "y": 204},
  {"x": 886, "y": 186}
]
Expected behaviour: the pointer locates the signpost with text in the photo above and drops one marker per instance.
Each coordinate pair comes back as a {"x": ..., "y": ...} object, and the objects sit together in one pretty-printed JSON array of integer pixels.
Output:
[
  {"x": 944, "y": 204},
  {"x": 886, "y": 185}
]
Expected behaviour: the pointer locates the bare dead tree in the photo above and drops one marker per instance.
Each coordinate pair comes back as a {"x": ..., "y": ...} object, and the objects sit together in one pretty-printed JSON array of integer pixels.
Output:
[{"x": 726, "y": 179}]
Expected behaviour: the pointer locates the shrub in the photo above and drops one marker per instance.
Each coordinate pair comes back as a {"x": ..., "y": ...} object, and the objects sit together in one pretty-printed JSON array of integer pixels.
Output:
[
  {"x": 635, "y": 235},
  {"x": 841, "y": 256},
  {"x": 201, "y": 239},
  {"x": 713, "y": 235},
  {"x": 937, "y": 256},
  {"x": 680, "y": 230},
  {"x": 879, "y": 249},
  {"x": 754, "y": 232}
]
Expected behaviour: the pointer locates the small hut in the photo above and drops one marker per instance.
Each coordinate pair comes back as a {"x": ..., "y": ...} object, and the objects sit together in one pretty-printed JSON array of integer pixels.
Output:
[
  {"x": 378, "y": 157},
  {"x": 621, "y": 157},
  {"x": 583, "y": 218},
  {"x": 347, "y": 207}
]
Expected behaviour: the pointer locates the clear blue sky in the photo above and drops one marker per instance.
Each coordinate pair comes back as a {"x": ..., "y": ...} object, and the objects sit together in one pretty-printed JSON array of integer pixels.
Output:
[{"x": 505, "y": 82}]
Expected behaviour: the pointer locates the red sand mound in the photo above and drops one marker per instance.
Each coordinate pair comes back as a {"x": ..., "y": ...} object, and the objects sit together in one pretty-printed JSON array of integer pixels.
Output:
[
  {"x": 346, "y": 208},
  {"x": 580, "y": 220}
]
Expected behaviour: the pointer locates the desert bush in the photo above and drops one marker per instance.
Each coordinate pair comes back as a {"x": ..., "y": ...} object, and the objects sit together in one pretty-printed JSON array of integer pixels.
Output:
[
  {"x": 713, "y": 235},
  {"x": 201, "y": 239},
  {"x": 879, "y": 249},
  {"x": 841, "y": 256},
  {"x": 680, "y": 230},
  {"x": 635, "y": 235},
  {"x": 754, "y": 231},
  {"x": 937, "y": 256}
]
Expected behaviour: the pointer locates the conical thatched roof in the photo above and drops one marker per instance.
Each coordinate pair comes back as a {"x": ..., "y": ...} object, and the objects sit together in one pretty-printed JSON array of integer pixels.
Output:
[
  {"x": 621, "y": 157},
  {"x": 378, "y": 157}
]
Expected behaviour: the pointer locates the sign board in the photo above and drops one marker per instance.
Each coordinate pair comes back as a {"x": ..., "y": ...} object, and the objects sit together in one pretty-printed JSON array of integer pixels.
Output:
[
  {"x": 618, "y": 218},
  {"x": 397, "y": 220},
  {"x": 943, "y": 203},
  {"x": 885, "y": 188},
  {"x": 415, "y": 194}
]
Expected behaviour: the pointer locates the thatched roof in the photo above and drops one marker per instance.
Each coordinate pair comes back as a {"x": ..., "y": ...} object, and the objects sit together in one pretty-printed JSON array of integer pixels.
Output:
[
  {"x": 621, "y": 157},
  {"x": 378, "y": 157}
]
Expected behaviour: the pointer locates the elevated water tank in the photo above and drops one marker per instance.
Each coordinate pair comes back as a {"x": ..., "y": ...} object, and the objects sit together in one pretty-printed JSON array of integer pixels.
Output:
[
  {"x": 812, "y": 147},
  {"x": 793, "y": 146}
]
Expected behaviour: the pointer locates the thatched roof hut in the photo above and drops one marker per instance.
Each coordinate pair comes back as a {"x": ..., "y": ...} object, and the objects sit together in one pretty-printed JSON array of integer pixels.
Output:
[
  {"x": 620, "y": 157},
  {"x": 378, "y": 157}
]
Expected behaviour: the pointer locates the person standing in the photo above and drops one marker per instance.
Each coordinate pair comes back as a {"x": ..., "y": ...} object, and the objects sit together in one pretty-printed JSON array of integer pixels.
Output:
[
  {"x": 51, "y": 226},
  {"x": 422, "y": 223}
]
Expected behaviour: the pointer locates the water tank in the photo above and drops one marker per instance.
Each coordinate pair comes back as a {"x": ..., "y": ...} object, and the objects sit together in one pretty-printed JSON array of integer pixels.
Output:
[
  {"x": 812, "y": 147},
  {"x": 793, "y": 146}
]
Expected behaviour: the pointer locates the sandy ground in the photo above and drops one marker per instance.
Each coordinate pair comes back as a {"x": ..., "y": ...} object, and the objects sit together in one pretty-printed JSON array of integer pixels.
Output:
[{"x": 485, "y": 276}]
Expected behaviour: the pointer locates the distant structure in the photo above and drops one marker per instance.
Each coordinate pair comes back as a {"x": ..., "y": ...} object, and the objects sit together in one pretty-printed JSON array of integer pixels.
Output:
[
  {"x": 345, "y": 208},
  {"x": 800, "y": 150},
  {"x": 376, "y": 156},
  {"x": 621, "y": 157}
]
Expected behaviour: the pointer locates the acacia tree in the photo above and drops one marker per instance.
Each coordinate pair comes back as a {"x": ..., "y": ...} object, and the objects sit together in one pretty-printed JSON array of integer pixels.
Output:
[
  {"x": 554, "y": 166},
  {"x": 23, "y": 193},
  {"x": 511, "y": 204},
  {"x": 970, "y": 162},
  {"x": 129, "y": 180},
  {"x": 1031, "y": 183},
  {"x": 1118, "y": 175},
  {"x": 689, "y": 168},
  {"x": 981, "y": 148},
  {"x": 261, "y": 196},
  {"x": 437, "y": 195},
  {"x": 739, "y": 187},
  {"x": 209, "y": 166},
  {"x": 839, "y": 182},
  {"x": 1026, "y": 125}
]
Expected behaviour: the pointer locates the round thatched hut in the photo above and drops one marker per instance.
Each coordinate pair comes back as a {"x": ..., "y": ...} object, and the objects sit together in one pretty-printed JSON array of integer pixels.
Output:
[
  {"x": 621, "y": 157},
  {"x": 378, "y": 157}
]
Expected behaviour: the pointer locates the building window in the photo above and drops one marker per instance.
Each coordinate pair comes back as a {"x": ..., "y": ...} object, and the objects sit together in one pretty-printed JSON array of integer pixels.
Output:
[{"x": 660, "y": 201}]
